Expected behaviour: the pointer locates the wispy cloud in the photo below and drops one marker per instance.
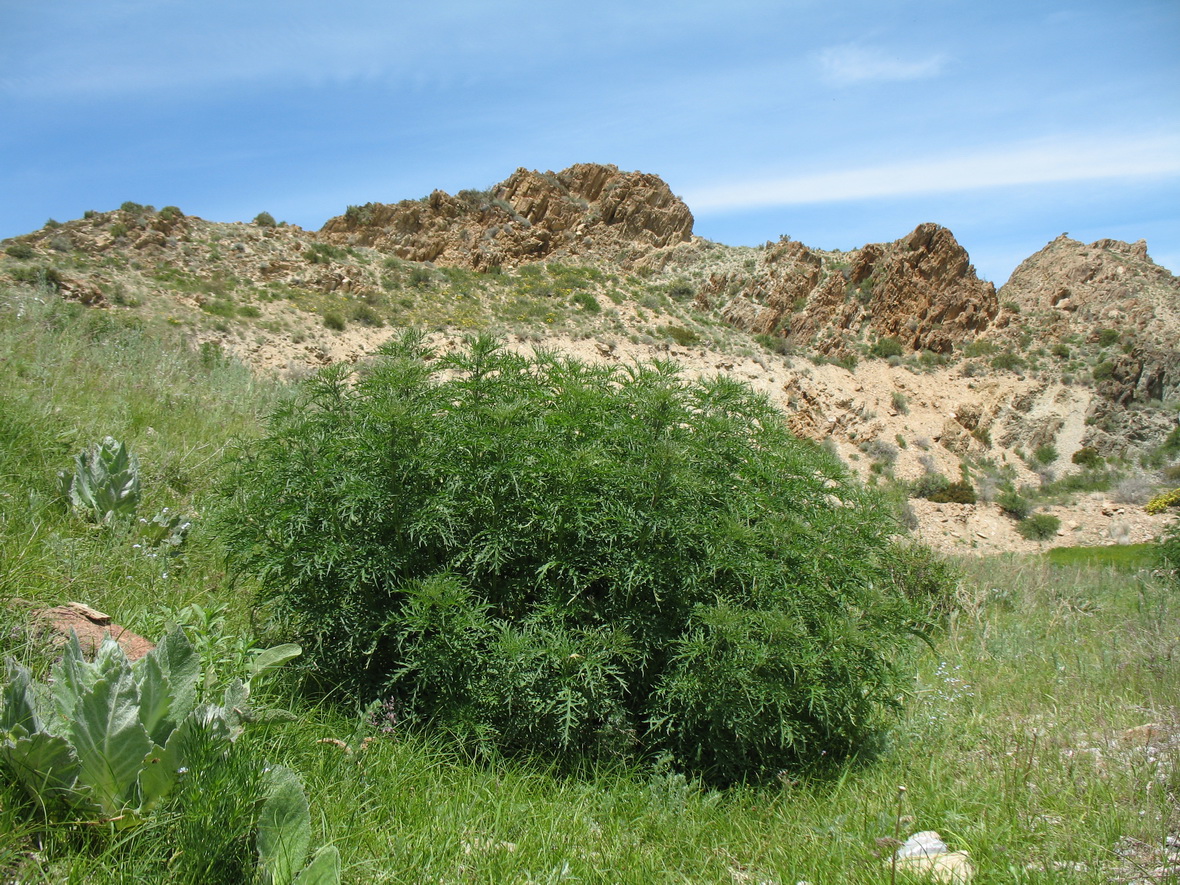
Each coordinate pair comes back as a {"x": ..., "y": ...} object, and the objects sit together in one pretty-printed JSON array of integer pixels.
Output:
[
  {"x": 852, "y": 63},
  {"x": 1041, "y": 162}
]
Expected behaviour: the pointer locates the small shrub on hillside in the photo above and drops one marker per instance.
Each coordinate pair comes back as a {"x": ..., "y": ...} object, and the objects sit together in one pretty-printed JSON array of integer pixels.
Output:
[
  {"x": 366, "y": 316},
  {"x": 1163, "y": 501},
  {"x": 1104, "y": 371},
  {"x": 960, "y": 492},
  {"x": 681, "y": 290},
  {"x": 880, "y": 450},
  {"x": 170, "y": 213},
  {"x": 541, "y": 555},
  {"x": 1045, "y": 454},
  {"x": 46, "y": 277},
  {"x": 334, "y": 320},
  {"x": 1038, "y": 527},
  {"x": 587, "y": 302},
  {"x": 1014, "y": 504},
  {"x": 20, "y": 251},
  {"x": 1135, "y": 489},
  {"x": 883, "y": 348},
  {"x": 1088, "y": 457},
  {"x": 930, "y": 483},
  {"x": 1008, "y": 360},
  {"x": 264, "y": 219},
  {"x": 323, "y": 253},
  {"x": 776, "y": 344},
  {"x": 1107, "y": 337},
  {"x": 682, "y": 336}
]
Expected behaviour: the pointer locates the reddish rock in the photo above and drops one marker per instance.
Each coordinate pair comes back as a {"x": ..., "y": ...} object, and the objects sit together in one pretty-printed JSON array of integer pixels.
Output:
[{"x": 92, "y": 627}]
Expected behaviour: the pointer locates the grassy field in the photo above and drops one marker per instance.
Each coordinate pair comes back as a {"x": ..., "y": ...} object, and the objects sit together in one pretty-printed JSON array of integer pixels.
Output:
[{"x": 1021, "y": 741}]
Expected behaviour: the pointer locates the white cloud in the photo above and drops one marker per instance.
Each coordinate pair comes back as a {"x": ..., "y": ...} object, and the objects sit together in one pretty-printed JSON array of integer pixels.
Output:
[
  {"x": 851, "y": 63},
  {"x": 1041, "y": 162}
]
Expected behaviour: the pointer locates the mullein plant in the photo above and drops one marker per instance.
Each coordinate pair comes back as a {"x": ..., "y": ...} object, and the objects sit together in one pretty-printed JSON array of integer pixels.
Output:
[{"x": 109, "y": 740}]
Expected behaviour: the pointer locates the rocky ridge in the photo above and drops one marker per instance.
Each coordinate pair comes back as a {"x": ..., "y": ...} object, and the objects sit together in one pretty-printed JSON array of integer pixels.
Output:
[
  {"x": 1075, "y": 352},
  {"x": 587, "y": 210}
]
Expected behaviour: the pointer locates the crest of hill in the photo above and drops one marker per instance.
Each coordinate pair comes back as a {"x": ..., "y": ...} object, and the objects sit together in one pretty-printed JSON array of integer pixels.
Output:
[
  {"x": 920, "y": 290},
  {"x": 1099, "y": 293},
  {"x": 587, "y": 210}
]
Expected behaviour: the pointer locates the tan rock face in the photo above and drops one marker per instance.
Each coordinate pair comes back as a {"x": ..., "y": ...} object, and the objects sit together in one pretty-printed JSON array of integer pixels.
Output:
[
  {"x": 587, "y": 210},
  {"x": 921, "y": 290},
  {"x": 1070, "y": 290}
]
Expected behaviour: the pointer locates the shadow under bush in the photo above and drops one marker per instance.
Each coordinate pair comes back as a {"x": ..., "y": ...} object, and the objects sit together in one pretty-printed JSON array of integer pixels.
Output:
[{"x": 541, "y": 555}]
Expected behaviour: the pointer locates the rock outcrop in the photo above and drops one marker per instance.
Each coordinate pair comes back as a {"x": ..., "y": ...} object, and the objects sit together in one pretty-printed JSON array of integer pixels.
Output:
[
  {"x": 921, "y": 290},
  {"x": 588, "y": 210},
  {"x": 1106, "y": 294}
]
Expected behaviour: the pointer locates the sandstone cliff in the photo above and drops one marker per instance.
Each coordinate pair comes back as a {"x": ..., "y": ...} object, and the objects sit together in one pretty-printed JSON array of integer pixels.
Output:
[
  {"x": 588, "y": 210},
  {"x": 921, "y": 290}
]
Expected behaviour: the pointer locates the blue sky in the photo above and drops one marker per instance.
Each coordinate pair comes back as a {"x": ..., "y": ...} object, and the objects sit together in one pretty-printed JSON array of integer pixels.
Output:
[{"x": 836, "y": 123}]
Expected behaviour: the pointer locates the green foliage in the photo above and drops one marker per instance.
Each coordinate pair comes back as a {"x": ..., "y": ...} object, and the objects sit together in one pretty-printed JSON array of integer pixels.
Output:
[
  {"x": 264, "y": 219},
  {"x": 324, "y": 253},
  {"x": 776, "y": 344},
  {"x": 1107, "y": 337},
  {"x": 959, "y": 492},
  {"x": 365, "y": 315},
  {"x": 44, "y": 276},
  {"x": 20, "y": 251},
  {"x": 901, "y": 405},
  {"x": 1038, "y": 526},
  {"x": 1045, "y": 454},
  {"x": 1169, "y": 553},
  {"x": 120, "y": 741},
  {"x": 1014, "y": 504},
  {"x": 1163, "y": 501},
  {"x": 1122, "y": 557},
  {"x": 928, "y": 484},
  {"x": 883, "y": 348},
  {"x": 1008, "y": 360},
  {"x": 682, "y": 336},
  {"x": 334, "y": 320},
  {"x": 104, "y": 483},
  {"x": 980, "y": 347},
  {"x": 1104, "y": 371},
  {"x": 1087, "y": 457},
  {"x": 536, "y": 554},
  {"x": 681, "y": 290},
  {"x": 170, "y": 213},
  {"x": 587, "y": 302}
]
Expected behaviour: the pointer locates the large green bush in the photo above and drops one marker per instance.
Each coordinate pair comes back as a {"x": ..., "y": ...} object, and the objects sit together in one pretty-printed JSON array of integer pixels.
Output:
[{"x": 535, "y": 554}]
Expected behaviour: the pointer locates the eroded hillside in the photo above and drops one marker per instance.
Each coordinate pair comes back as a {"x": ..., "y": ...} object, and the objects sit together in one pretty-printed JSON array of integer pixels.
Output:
[{"x": 1061, "y": 387}]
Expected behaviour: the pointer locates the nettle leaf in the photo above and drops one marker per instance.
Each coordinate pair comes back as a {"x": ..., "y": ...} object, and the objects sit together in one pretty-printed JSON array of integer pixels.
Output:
[
  {"x": 110, "y": 740},
  {"x": 284, "y": 826},
  {"x": 44, "y": 764}
]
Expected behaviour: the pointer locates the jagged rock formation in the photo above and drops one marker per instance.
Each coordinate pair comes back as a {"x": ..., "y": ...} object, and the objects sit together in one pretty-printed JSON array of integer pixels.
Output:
[
  {"x": 1106, "y": 291},
  {"x": 921, "y": 290},
  {"x": 587, "y": 210}
]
